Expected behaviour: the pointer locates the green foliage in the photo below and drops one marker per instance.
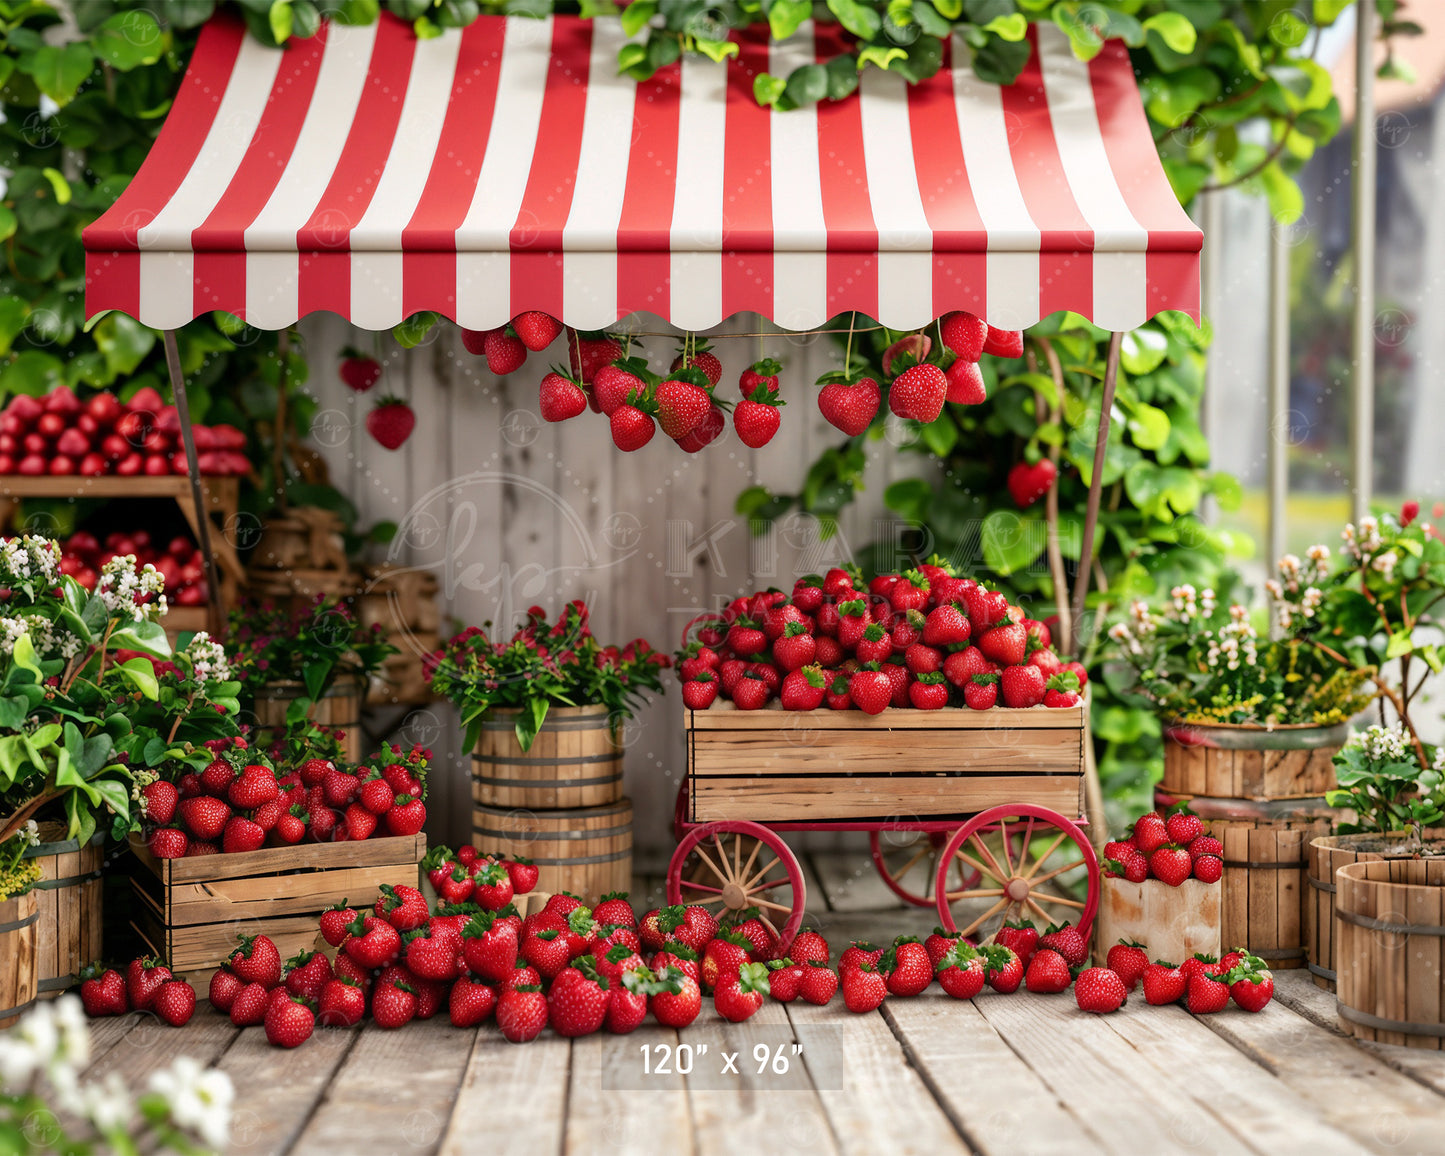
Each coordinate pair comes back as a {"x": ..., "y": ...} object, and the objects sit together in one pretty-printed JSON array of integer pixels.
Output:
[{"x": 1383, "y": 781}]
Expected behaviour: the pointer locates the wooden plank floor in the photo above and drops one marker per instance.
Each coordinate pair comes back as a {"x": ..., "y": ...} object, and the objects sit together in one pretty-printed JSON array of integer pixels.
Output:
[{"x": 1001, "y": 1075}]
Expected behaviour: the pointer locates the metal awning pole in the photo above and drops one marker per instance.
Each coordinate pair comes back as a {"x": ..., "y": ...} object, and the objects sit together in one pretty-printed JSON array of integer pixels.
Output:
[
  {"x": 1362, "y": 224},
  {"x": 193, "y": 471},
  {"x": 1096, "y": 487},
  {"x": 1279, "y": 421}
]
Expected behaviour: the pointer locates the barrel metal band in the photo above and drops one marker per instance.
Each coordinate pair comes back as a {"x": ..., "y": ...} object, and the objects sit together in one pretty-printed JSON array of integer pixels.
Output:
[
  {"x": 591, "y": 722},
  {"x": 57, "y": 983},
  {"x": 1318, "y": 886},
  {"x": 68, "y": 881},
  {"x": 17, "y": 924},
  {"x": 1383, "y": 925},
  {"x": 1279, "y": 952},
  {"x": 548, "y": 784},
  {"x": 523, "y": 761},
  {"x": 1404, "y": 1027},
  {"x": 7, "y": 1012},
  {"x": 549, "y": 836},
  {"x": 1322, "y": 972},
  {"x": 578, "y": 862}
]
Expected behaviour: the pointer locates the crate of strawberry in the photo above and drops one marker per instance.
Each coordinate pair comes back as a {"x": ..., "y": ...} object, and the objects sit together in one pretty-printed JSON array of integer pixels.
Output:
[
  {"x": 232, "y": 836},
  {"x": 952, "y": 697},
  {"x": 1161, "y": 885}
]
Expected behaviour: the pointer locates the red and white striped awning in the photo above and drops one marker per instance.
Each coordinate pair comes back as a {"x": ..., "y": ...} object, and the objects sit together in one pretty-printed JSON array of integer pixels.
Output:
[{"x": 508, "y": 167}]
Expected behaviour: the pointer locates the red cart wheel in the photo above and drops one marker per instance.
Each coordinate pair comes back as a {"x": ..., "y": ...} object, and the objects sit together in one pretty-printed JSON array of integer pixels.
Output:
[
  {"x": 1045, "y": 871},
  {"x": 733, "y": 866},
  {"x": 679, "y": 812},
  {"x": 908, "y": 863}
]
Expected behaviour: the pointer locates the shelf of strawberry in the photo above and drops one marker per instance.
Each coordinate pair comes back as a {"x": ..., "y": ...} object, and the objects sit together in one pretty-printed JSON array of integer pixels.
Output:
[
  {"x": 61, "y": 436},
  {"x": 923, "y": 639},
  {"x": 180, "y": 562}
]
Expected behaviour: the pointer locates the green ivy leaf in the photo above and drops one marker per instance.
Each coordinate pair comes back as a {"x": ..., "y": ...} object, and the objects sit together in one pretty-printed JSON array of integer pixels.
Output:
[
  {"x": 128, "y": 40},
  {"x": 1175, "y": 30},
  {"x": 807, "y": 84},
  {"x": 768, "y": 90},
  {"x": 281, "y": 19},
  {"x": 881, "y": 55},
  {"x": 59, "y": 69},
  {"x": 1012, "y": 27},
  {"x": 718, "y": 50},
  {"x": 940, "y": 435},
  {"x": 1011, "y": 541},
  {"x": 786, "y": 16},
  {"x": 636, "y": 16},
  {"x": 411, "y": 332},
  {"x": 842, "y": 75},
  {"x": 862, "y": 20},
  {"x": 1148, "y": 426}
]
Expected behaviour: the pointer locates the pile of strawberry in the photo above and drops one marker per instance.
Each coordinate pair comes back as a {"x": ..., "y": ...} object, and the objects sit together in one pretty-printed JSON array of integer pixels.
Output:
[
  {"x": 1171, "y": 848},
  {"x": 180, "y": 564},
  {"x": 923, "y": 639},
  {"x": 240, "y": 803},
  {"x": 60, "y": 435},
  {"x": 147, "y": 985},
  {"x": 603, "y": 375}
]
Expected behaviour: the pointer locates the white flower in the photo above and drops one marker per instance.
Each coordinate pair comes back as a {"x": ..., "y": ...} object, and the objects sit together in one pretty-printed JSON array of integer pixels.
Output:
[
  {"x": 199, "y": 1099},
  {"x": 1385, "y": 563},
  {"x": 30, "y": 834},
  {"x": 132, "y": 593},
  {"x": 74, "y": 1031},
  {"x": 107, "y": 1104},
  {"x": 208, "y": 659},
  {"x": 1185, "y": 602},
  {"x": 1382, "y": 744},
  {"x": 1318, "y": 553}
]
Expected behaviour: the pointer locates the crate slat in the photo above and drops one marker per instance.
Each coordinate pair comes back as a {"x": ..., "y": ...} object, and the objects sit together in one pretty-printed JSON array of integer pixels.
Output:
[
  {"x": 724, "y": 715},
  {"x": 825, "y": 798}
]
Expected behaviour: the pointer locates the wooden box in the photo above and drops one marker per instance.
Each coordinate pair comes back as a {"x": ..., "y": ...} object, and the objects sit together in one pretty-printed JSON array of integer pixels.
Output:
[
  {"x": 825, "y": 765},
  {"x": 1233, "y": 762},
  {"x": 189, "y": 911},
  {"x": 1173, "y": 923}
]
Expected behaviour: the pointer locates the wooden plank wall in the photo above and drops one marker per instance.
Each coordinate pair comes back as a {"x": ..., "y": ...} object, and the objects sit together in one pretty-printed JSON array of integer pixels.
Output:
[{"x": 540, "y": 514}]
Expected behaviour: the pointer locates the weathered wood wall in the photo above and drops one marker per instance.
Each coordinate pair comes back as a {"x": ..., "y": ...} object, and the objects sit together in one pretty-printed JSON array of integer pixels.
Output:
[{"x": 508, "y": 511}]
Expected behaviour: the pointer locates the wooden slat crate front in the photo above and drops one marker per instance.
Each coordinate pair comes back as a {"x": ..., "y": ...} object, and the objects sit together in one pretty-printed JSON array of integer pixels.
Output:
[
  {"x": 799, "y": 766},
  {"x": 190, "y": 910}
]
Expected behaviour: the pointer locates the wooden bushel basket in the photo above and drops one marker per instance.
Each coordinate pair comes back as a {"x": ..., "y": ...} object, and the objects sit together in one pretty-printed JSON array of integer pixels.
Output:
[
  {"x": 68, "y": 934},
  {"x": 1390, "y": 937},
  {"x": 575, "y": 761},
  {"x": 19, "y": 919},
  {"x": 1239, "y": 762}
]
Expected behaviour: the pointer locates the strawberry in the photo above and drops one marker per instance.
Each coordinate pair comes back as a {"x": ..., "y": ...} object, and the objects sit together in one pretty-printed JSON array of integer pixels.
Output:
[
  {"x": 613, "y": 386},
  {"x": 390, "y": 422},
  {"x": 929, "y": 693},
  {"x": 358, "y": 371},
  {"x": 1232, "y": 959},
  {"x": 961, "y": 970},
  {"x": 1027, "y": 483},
  {"x": 737, "y": 997},
  {"x": 339, "y": 788},
  {"x": 701, "y": 692},
  {"x": 876, "y": 645},
  {"x": 723, "y": 955},
  {"x": 1007, "y": 645},
  {"x": 1100, "y": 991},
  {"x": 578, "y": 1007},
  {"x": 1078, "y": 671},
  {"x": 760, "y": 373},
  {"x": 457, "y": 885},
  {"x": 431, "y": 957},
  {"x": 505, "y": 353},
  {"x": 757, "y": 419},
  {"x": 1067, "y": 941},
  {"x": 1163, "y": 983},
  {"x": 1056, "y": 698},
  {"x": 1150, "y": 833},
  {"x": 1206, "y": 994},
  {"x": 857, "y": 953},
  {"x": 204, "y": 817},
  {"x": 848, "y": 405},
  {"x": 1047, "y": 973},
  {"x": 547, "y": 951},
  {"x": 1206, "y": 845},
  {"x": 907, "y": 968},
  {"x": 804, "y": 689},
  {"x": 402, "y": 906},
  {"x": 241, "y": 834},
  {"x": 560, "y": 398},
  {"x": 1170, "y": 863},
  {"x": 751, "y": 693},
  {"x": 796, "y": 648},
  {"x": 615, "y": 911},
  {"x": 965, "y": 383},
  {"x": 289, "y": 1023},
  {"x": 393, "y": 1004},
  {"x": 291, "y": 826},
  {"x": 102, "y": 991},
  {"x": 980, "y": 692},
  {"x": 256, "y": 785},
  {"x": 225, "y": 986},
  {"x": 1004, "y": 342},
  {"x": 1022, "y": 937},
  {"x": 249, "y": 1007},
  {"x": 871, "y": 691},
  {"x": 168, "y": 843},
  {"x": 818, "y": 982},
  {"x": 809, "y": 946},
  {"x": 1118, "y": 849},
  {"x": 1005, "y": 970},
  {"x": 693, "y": 925},
  {"x": 785, "y": 979},
  {"x": 918, "y": 393},
  {"x": 348, "y": 968},
  {"x": 631, "y": 428},
  {"x": 677, "y": 955},
  {"x": 494, "y": 887},
  {"x": 536, "y": 330},
  {"x": 681, "y": 406},
  {"x": 307, "y": 973},
  {"x": 373, "y": 943},
  {"x": 342, "y": 1003},
  {"x": 1183, "y": 827},
  {"x": 336, "y": 923},
  {"x": 963, "y": 333},
  {"x": 704, "y": 360},
  {"x": 1208, "y": 868},
  {"x": 1199, "y": 963},
  {"x": 939, "y": 943},
  {"x": 1251, "y": 989},
  {"x": 523, "y": 873},
  {"x": 587, "y": 355},
  {"x": 256, "y": 960},
  {"x": 471, "y": 1001},
  {"x": 1128, "y": 960},
  {"x": 899, "y": 680},
  {"x": 174, "y": 1002},
  {"x": 522, "y": 1013},
  {"x": 679, "y": 1003},
  {"x": 627, "y": 1000},
  {"x": 406, "y": 817},
  {"x": 839, "y": 695},
  {"x": 946, "y": 626},
  {"x": 158, "y": 801},
  {"x": 217, "y": 778},
  {"x": 919, "y": 658},
  {"x": 863, "y": 988}
]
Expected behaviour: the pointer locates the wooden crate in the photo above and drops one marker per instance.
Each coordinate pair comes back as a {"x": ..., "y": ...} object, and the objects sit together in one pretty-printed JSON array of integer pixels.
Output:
[
  {"x": 189, "y": 911},
  {"x": 1231, "y": 762},
  {"x": 774, "y": 765},
  {"x": 1173, "y": 923}
]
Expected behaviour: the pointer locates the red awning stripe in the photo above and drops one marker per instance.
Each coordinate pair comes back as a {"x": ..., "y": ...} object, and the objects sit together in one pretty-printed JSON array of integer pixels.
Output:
[{"x": 507, "y": 167}]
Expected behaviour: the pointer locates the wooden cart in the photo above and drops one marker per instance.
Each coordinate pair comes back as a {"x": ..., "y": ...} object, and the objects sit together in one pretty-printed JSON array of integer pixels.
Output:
[{"x": 965, "y": 810}]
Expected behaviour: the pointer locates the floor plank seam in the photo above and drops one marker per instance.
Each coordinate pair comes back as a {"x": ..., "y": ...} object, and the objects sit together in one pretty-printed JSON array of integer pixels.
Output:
[
  {"x": 928, "y": 1082},
  {"x": 566, "y": 1097},
  {"x": 356, "y": 1032},
  {"x": 838, "y": 1144},
  {"x": 812, "y": 861}
]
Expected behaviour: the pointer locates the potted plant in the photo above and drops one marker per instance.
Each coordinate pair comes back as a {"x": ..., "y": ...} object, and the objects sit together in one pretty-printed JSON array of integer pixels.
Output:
[
  {"x": 1394, "y": 804},
  {"x": 311, "y": 665},
  {"x": 543, "y": 708}
]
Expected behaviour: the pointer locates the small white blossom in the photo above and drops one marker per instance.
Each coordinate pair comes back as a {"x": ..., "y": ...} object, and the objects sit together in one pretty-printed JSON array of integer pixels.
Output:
[
  {"x": 1385, "y": 563},
  {"x": 199, "y": 1098},
  {"x": 1186, "y": 604},
  {"x": 128, "y": 592},
  {"x": 107, "y": 1104},
  {"x": 29, "y": 835},
  {"x": 1382, "y": 744},
  {"x": 208, "y": 659}
]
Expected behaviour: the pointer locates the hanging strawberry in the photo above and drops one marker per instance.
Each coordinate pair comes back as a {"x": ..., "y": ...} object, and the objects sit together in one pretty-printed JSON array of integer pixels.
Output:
[
  {"x": 963, "y": 333},
  {"x": 632, "y": 428},
  {"x": 705, "y": 432},
  {"x": 505, "y": 352},
  {"x": 683, "y": 401},
  {"x": 391, "y": 422},
  {"x": 918, "y": 393},
  {"x": 615, "y": 382},
  {"x": 764, "y": 372},
  {"x": 358, "y": 370},
  {"x": 698, "y": 356},
  {"x": 1004, "y": 342},
  {"x": 848, "y": 405},
  {"x": 536, "y": 330},
  {"x": 559, "y": 397},
  {"x": 588, "y": 352},
  {"x": 756, "y": 418},
  {"x": 1028, "y": 483},
  {"x": 965, "y": 383},
  {"x": 911, "y": 350}
]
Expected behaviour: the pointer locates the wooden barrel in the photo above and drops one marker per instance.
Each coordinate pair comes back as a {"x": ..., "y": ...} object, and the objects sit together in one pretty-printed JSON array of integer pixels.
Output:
[
  {"x": 1390, "y": 946},
  {"x": 587, "y": 851},
  {"x": 1323, "y": 857},
  {"x": 575, "y": 761},
  {"x": 1239, "y": 762},
  {"x": 1264, "y": 870},
  {"x": 19, "y": 922},
  {"x": 338, "y": 708},
  {"x": 68, "y": 935}
]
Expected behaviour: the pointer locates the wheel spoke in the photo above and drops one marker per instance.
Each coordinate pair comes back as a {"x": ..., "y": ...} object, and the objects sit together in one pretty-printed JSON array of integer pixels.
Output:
[
  {"x": 737, "y": 856},
  {"x": 977, "y": 866},
  {"x": 700, "y": 887},
  {"x": 1063, "y": 902},
  {"x": 1042, "y": 859},
  {"x": 771, "y": 883},
  {"x": 1039, "y": 911},
  {"x": 757, "y": 846},
  {"x": 1007, "y": 858},
  {"x": 714, "y": 899},
  {"x": 768, "y": 923},
  {"x": 907, "y": 867},
  {"x": 716, "y": 870},
  {"x": 1056, "y": 871},
  {"x": 748, "y": 886},
  {"x": 992, "y": 911},
  {"x": 987, "y": 893},
  {"x": 1028, "y": 837},
  {"x": 768, "y": 903},
  {"x": 998, "y": 873},
  {"x": 722, "y": 857}
]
